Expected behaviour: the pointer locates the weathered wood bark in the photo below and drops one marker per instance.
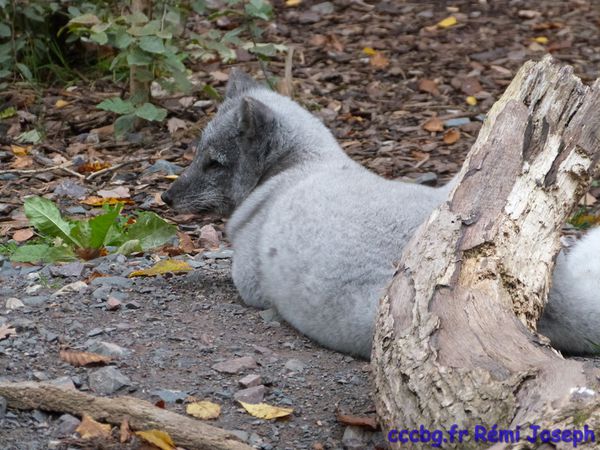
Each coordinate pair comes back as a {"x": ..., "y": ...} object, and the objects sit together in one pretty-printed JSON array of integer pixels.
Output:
[
  {"x": 186, "y": 432},
  {"x": 454, "y": 341}
]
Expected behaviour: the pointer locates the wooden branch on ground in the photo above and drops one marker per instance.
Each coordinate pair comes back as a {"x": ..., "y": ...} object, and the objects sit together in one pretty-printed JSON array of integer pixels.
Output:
[
  {"x": 63, "y": 166},
  {"x": 185, "y": 432},
  {"x": 454, "y": 341}
]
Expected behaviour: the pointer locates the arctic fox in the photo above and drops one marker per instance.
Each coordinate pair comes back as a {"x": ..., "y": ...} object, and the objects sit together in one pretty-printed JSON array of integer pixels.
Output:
[{"x": 316, "y": 235}]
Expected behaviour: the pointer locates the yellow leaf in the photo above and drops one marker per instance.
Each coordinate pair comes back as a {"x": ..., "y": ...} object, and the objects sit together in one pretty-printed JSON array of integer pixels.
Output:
[
  {"x": 19, "y": 150},
  {"x": 99, "y": 201},
  {"x": 292, "y": 2},
  {"x": 61, "y": 103},
  {"x": 89, "y": 428},
  {"x": 471, "y": 100},
  {"x": 161, "y": 267},
  {"x": 264, "y": 411},
  {"x": 447, "y": 22},
  {"x": 158, "y": 438},
  {"x": 171, "y": 177},
  {"x": 203, "y": 410},
  {"x": 369, "y": 51},
  {"x": 541, "y": 40}
]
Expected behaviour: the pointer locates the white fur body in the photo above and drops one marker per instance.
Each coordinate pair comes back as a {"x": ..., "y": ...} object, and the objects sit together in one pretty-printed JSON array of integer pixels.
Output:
[{"x": 318, "y": 242}]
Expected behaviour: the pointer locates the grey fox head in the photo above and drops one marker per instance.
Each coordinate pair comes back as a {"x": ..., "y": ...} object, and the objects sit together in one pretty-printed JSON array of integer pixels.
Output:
[{"x": 231, "y": 155}]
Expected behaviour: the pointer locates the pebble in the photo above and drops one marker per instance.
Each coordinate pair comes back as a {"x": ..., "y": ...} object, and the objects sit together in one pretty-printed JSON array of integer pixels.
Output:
[
  {"x": 235, "y": 365},
  {"x": 73, "y": 269},
  {"x": 121, "y": 282},
  {"x": 36, "y": 300},
  {"x": 221, "y": 254},
  {"x": 65, "y": 425},
  {"x": 95, "y": 332},
  {"x": 77, "y": 286},
  {"x": 113, "y": 303},
  {"x": 171, "y": 396},
  {"x": 132, "y": 305},
  {"x": 108, "y": 349},
  {"x": 457, "y": 122},
  {"x": 250, "y": 380},
  {"x": 295, "y": 365},
  {"x": 13, "y": 303},
  {"x": 102, "y": 293},
  {"x": 108, "y": 380},
  {"x": 253, "y": 395},
  {"x": 64, "y": 382},
  {"x": 33, "y": 289}
]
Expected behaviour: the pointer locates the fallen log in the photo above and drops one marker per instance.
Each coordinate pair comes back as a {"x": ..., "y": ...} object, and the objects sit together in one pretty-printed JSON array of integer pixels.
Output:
[
  {"x": 185, "y": 432},
  {"x": 455, "y": 340}
]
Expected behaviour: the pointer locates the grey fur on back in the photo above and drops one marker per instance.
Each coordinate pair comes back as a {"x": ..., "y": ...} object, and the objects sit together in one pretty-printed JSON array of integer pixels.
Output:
[{"x": 316, "y": 236}]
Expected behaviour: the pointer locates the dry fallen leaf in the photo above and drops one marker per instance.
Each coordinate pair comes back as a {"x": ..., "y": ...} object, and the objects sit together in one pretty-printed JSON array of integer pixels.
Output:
[
  {"x": 447, "y": 22},
  {"x": 433, "y": 125},
  {"x": 174, "y": 124},
  {"x": 203, "y": 410},
  {"x": 379, "y": 61},
  {"x": 124, "y": 431},
  {"x": 61, "y": 104},
  {"x": 92, "y": 167},
  {"x": 264, "y": 411},
  {"x": 185, "y": 242},
  {"x": 89, "y": 428},
  {"x": 118, "y": 192},
  {"x": 19, "y": 150},
  {"x": 541, "y": 40},
  {"x": 429, "y": 86},
  {"x": 162, "y": 267},
  {"x": 369, "y": 51},
  {"x": 80, "y": 359},
  {"x": 171, "y": 177},
  {"x": 6, "y": 331},
  {"x": 158, "y": 438},
  {"x": 292, "y": 3},
  {"x": 23, "y": 234},
  {"x": 99, "y": 201},
  {"x": 451, "y": 136},
  {"x": 358, "y": 421},
  {"x": 21, "y": 162}
]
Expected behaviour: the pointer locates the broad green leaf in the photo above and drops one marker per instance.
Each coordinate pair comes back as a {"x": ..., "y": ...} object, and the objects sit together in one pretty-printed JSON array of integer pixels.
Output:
[
  {"x": 199, "y": 6},
  {"x": 42, "y": 253},
  {"x": 46, "y": 218},
  {"x": 124, "y": 124},
  {"x": 25, "y": 71},
  {"x": 130, "y": 247},
  {"x": 150, "y": 112},
  {"x": 261, "y": 9},
  {"x": 152, "y": 44},
  {"x": 137, "y": 57},
  {"x": 116, "y": 105},
  {"x": 151, "y": 230},
  {"x": 8, "y": 112},
  {"x": 30, "y": 137},
  {"x": 85, "y": 19},
  {"x": 122, "y": 39},
  {"x": 136, "y": 18},
  {"x": 4, "y": 30},
  {"x": 101, "y": 224},
  {"x": 99, "y": 38}
]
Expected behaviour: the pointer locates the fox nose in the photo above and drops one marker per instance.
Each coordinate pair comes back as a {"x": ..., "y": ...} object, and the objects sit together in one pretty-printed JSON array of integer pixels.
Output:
[{"x": 166, "y": 197}]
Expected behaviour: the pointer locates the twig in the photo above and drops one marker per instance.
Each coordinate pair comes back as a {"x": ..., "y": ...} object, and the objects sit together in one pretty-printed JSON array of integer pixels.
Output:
[
  {"x": 93, "y": 175},
  {"x": 43, "y": 169}
]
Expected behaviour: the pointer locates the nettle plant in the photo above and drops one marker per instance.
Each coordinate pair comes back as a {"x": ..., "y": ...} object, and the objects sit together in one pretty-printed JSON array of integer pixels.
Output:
[{"x": 154, "y": 49}]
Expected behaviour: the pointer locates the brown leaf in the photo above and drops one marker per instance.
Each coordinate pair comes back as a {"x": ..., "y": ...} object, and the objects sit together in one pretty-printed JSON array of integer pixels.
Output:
[
  {"x": 379, "y": 61},
  {"x": 92, "y": 167},
  {"x": 451, "y": 136},
  {"x": 118, "y": 192},
  {"x": 80, "y": 359},
  {"x": 23, "y": 234},
  {"x": 185, "y": 242},
  {"x": 89, "y": 428},
  {"x": 433, "y": 125},
  {"x": 174, "y": 124},
  {"x": 125, "y": 431},
  {"x": 21, "y": 162},
  {"x": 90, "y": 253},
  {"x": 429, "y": 86},
  {"x": 358, "y": 421},
  {"x": 471, "y": 86},
  {"x": 6, "y": 330}
]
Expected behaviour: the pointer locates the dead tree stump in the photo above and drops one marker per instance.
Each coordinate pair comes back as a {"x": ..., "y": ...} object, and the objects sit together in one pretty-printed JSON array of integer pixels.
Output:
[{"x": 455, "y": 340}]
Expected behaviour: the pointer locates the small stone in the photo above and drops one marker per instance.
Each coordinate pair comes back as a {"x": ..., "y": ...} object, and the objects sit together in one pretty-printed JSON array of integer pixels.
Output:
[
  {"x": 121, "y": 282},
  {"x": 250, "y": 380},
  {"x": 65, "y": 426},
  {"x": 221, "y": 254},
  {"x": 240, "y": 434},
  {"x": 171, "y": 396},
  {"x": 235, "y": 365},
  {"x": 108, "y": 380},
  {"x": 102, "y": 293},
  {"x": 270, "y": 315},
  {"x": 73, "y": 269},
  {"x": 132, "y": 305},
  {"x": 323, "y": 8},
  {"x": 295, "y": 365},
  {"x": 113, "y": 303},
  {"x": 108, "y": 349},
  {"x": 13, "y": 303},
  {"x": 33, "y": 289},
  {"x": 36, "y": 300},
  {"x": 427, "y": 178},
  {"x": 95, "y": 332},
  {"x": 457, "y": 122},
  {"x": 355, "y": 438},
  {"x": 64, "y": 382},
  {"x": 71, "y": 189},
  {"x": 77, "y": 286},
  {"x": 253, "y": 395},
  {"x": 209, "y": 238}
]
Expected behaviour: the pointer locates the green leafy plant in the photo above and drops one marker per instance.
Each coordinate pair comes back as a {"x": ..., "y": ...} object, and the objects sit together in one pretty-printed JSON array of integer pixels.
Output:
[{"x": 64, "y": 239}]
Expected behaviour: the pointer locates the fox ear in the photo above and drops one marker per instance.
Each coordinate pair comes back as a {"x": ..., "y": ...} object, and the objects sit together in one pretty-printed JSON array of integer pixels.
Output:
[
  {"x": 239, "y": 83},
  {"x": 255, "y": 118}
]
